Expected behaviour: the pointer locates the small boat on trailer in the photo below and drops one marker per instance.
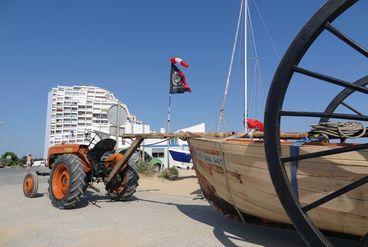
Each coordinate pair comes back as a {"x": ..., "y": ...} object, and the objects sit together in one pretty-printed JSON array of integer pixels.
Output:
[{"x": 181, "y": 155}]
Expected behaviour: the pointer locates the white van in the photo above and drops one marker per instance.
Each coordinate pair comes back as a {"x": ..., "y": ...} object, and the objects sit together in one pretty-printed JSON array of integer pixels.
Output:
[{"x": 38, "y": 163}]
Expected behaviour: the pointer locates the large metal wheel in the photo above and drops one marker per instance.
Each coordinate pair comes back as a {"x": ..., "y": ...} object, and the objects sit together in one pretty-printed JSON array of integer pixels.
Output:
[
  {"x": 298, "y": 213},
  {"x": 339, "y": 100}
]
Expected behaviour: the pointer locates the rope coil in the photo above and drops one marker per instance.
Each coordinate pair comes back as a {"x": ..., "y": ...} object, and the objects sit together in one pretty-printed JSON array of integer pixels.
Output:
[{"x": 342, "y": 130}]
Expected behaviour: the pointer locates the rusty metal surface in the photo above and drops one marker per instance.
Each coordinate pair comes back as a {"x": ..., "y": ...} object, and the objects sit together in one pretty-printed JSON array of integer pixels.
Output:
[
  {"x": 137, "y": 142},
  {"x": 80, "y": 150}
]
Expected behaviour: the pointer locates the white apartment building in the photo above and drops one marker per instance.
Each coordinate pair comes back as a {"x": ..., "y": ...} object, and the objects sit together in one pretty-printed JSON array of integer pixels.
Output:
[{"x": 72, "y": 111}]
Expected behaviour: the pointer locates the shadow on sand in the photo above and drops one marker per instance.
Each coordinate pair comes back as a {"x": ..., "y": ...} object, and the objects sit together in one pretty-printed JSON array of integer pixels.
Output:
[
  {"x": 185, "y": 177},
  {"x": 228, "y": 232},
  {"x": 92, "y": 198}
]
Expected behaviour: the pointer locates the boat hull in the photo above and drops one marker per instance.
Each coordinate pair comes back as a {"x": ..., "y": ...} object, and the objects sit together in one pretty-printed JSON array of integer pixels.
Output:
[
  {"x": 181, "y": 156},
  {"x": 234, "y": 177}
]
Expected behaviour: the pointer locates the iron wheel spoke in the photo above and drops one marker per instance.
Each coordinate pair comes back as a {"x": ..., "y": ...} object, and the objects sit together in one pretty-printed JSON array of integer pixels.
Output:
[
  {"x": 325, "y": 153},
  {"x": 330, "y": 79},
  {"x": 359, "y": 48},
  {"x": 351, "y": 108},
  {"x": 324, "y": 115},
  {"x": 335, "y": 194},
  {"x": 339, "y": 99}
]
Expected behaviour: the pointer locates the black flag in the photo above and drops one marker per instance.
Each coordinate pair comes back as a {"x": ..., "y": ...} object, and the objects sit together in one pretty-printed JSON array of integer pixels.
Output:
[{"x": 177, "y": 81}]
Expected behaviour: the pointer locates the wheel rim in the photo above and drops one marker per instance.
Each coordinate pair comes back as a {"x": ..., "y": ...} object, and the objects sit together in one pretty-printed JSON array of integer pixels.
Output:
[
  {"x": 339, "y": 100},
  {"x": 27, "y": 185},
  {"x": 320, "y": 22},
  {"x": 60, "y": 181}
]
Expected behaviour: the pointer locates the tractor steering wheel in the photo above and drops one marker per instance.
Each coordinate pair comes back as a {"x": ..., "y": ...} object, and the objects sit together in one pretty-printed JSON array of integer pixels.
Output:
[{"x": 92, "y": 137}]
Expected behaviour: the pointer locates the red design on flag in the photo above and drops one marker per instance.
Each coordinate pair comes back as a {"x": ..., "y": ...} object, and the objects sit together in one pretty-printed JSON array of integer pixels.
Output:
[
  {"x": 175, "y": 60},
  {"x": 184, "y": 83}
]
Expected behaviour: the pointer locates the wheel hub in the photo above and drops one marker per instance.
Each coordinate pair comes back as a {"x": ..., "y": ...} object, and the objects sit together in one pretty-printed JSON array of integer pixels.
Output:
[
  {"x": 28, "y": 184},
  {"x": 60, "y": 181}
]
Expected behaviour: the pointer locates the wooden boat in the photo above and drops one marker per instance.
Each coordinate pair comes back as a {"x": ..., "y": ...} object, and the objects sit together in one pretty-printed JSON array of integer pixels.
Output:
[{"x": 234, "y": 177}]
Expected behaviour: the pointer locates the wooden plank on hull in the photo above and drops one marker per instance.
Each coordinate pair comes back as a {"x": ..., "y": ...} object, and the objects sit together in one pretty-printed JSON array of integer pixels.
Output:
[
  {"x": 217, "y": 181},
  {"x": 257, "y": 210},
  {"x": 324, "y": 185},
  {"x": 327, "y": 219}
]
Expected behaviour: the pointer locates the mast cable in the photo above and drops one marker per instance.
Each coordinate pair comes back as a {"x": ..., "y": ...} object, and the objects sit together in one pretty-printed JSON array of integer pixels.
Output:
[{"x": 276, "y": 51}]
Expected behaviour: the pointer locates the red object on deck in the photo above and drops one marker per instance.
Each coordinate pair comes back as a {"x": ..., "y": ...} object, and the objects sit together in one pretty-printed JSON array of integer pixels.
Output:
[{"x": 254, "y": 124}]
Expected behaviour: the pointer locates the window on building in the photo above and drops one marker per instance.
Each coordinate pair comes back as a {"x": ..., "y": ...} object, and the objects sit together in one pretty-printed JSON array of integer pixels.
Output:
[
  {"x": 158, "y": 152},
  {"x": 158, "y": 155}
]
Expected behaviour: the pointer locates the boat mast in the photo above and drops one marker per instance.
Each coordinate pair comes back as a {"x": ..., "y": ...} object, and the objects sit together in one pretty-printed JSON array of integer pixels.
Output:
[
  {"x": 245, "y": 66},
  {"x": 222, "y": 109}
]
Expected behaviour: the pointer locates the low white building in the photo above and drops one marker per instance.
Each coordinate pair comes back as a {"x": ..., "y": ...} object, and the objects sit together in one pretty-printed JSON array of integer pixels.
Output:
[{"x": 161, "y": 150}]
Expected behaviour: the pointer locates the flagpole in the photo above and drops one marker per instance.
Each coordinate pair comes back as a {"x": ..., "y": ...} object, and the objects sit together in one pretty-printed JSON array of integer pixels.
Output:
[
  {"x": 168, "y": 129},
  {"x": 177, "y": 85}
]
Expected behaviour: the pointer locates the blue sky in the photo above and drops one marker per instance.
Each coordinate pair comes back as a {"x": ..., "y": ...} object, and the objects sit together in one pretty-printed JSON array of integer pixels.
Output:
[{"x": 125, "y": 46}]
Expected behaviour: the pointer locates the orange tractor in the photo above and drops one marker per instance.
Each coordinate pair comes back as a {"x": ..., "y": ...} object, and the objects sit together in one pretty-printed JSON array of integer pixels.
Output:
[{"x": 74, "y": 167}]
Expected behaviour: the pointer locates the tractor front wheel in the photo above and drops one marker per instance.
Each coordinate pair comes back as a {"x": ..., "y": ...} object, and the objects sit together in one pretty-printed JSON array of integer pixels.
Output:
[{"x": 66, "y": 182}]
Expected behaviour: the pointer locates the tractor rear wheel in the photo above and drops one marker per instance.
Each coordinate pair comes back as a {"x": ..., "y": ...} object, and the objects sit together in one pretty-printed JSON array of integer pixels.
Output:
[
  {"x": 66, "y": 181},
  {"x": 30, "y": 185}
]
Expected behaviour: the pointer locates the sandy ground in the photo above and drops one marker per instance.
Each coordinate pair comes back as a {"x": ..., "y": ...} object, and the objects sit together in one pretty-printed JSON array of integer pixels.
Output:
[
  {"x": 185, "y": 186},
  {"x": 162, "y": 213}
]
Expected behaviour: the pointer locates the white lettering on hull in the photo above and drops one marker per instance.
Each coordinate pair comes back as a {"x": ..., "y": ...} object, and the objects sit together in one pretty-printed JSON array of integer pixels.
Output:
[{"x": 209, "y": 158}]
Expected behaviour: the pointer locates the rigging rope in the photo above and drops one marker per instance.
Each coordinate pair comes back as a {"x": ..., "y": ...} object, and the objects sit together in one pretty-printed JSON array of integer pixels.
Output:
[
  {"x": 342, "y": 130},
  {"x": 276, "y": 51},
  {"x": 255, "y": 105}
]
